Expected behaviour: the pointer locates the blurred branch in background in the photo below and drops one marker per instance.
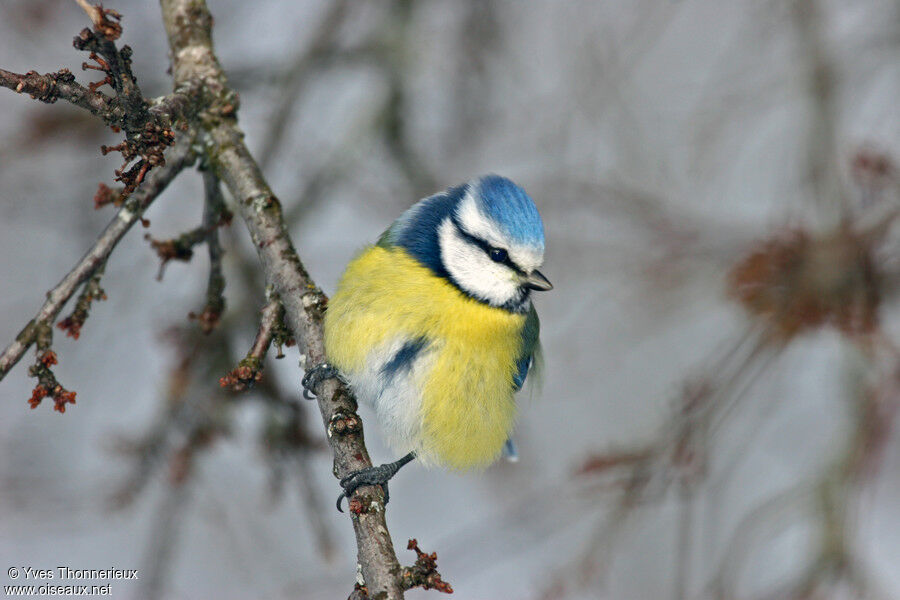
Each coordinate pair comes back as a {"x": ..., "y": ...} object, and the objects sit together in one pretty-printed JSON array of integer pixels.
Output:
[
  {"x": 832, "y": 271},
  {"x": 387, "y": 51},
  {"x": 323, "y": 48}
]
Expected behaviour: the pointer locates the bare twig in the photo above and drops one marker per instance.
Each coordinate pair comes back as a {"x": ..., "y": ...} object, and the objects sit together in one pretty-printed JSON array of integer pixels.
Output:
[
  {"x": 91, "y": 291},
  {"x": 821, "y": 82},
  {"x": 62, "y": 86},
  {"x": 249, "y": 370},
  {"x": 147, "y": 126},
  {"x": 181, "y": 248},
  {"x": 146, "y": 134},
  {"x": 214, "y": 215},
  {"x": 100, "y": 18},
  {"x": 182, "y": 105},
  {"x": 127, "y": 216},
  {"x": 178, "y": 248},
  {"x": 188, "y": 25}
]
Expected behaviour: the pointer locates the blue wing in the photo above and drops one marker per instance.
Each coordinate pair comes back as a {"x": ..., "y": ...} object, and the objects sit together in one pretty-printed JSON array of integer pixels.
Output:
[
  {"x": 510, "y": 451},
  {"x": 528, "y": 361},
  {"x": 530, "y": 349},
  {"x": 522, "y": 367}
]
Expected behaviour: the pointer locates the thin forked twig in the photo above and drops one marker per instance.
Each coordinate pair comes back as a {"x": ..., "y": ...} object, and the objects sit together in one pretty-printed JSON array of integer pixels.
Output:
[
  {"x": 127, "y": 216},
  {"x": 249, "y": 370},
  {"x": 214, "y": 215},
  {"x": 61, "y": 85}
]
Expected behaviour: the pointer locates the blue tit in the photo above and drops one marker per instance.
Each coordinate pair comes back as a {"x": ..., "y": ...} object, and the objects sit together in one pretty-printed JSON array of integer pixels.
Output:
[{"x": 434, "y": 327}]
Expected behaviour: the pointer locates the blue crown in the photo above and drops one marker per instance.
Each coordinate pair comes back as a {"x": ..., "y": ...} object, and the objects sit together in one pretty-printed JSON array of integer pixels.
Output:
[
  {"x": 513, "y": 211},
  {"x": 497, "y": 198}
]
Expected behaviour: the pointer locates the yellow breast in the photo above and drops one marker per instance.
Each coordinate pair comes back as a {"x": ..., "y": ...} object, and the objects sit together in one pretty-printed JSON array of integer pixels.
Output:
[{"x": 467, "y": 407}]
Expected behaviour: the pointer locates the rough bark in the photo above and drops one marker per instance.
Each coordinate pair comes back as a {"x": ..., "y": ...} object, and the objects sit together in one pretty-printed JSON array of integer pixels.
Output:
[{"x": 188, "y": 25}]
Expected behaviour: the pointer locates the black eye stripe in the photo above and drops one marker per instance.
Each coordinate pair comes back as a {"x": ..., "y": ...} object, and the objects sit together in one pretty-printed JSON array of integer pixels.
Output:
[{"x": 486, "y": 247}]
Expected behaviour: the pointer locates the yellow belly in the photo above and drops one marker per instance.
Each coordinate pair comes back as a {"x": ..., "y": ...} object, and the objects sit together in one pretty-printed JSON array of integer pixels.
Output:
[{"x": 467, "y": 408}]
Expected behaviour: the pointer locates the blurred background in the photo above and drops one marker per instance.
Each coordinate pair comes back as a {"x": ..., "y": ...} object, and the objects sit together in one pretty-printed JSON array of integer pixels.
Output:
[{"x": 718, "y": 183}]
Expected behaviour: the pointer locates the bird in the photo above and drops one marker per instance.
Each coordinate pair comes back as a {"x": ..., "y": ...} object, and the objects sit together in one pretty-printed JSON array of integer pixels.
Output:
[{"x": 434, "y": 327}]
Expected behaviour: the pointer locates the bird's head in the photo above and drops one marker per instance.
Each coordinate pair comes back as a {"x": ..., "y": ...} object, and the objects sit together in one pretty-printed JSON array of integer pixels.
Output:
[{"x": 486, "y": 237}]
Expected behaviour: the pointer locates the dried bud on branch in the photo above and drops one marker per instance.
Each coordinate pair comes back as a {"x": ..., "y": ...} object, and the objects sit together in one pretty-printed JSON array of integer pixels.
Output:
[
  {"x": 47, "y": 383},
  {"x": 424, "y": 572},
  {"x": 107, "y": 195},
  {"x": 100, "y": 17},
  {"x": 249, "y": 370},
  {"x": 147, "y": 134},
  {"x": 243, "y": 376},
  {"x": 92, "y": 291}
]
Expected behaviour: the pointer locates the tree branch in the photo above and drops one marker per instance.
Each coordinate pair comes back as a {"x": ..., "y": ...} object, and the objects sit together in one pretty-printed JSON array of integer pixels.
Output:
[
  {"x": 127, "y": 216},
  {"x": 249, "y": 370},
  {"x": 214, "y": 215},
  {"x": 188, "y": 25},
  {"x": 62, "y": 85}
]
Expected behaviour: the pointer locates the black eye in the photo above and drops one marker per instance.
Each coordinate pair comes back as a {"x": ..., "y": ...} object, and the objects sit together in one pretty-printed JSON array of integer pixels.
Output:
[{"x": 498, "y": 254}]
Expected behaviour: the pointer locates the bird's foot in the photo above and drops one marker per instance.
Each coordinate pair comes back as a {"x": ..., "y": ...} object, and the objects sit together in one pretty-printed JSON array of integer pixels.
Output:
[
  {"x": 379, "y": 475},
  {"x": 315, "y": 376}
]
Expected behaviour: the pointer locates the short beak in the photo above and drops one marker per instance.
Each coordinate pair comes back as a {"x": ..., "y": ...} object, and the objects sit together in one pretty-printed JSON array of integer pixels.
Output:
[{"x": 536, "y": 281}]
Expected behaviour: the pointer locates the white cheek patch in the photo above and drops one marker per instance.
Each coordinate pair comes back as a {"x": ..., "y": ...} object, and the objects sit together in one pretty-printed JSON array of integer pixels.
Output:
[
  {"x": 473, "y": 222},
  {"x": 473, "y": 270}
]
